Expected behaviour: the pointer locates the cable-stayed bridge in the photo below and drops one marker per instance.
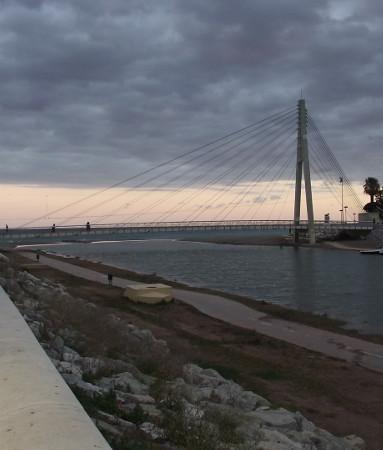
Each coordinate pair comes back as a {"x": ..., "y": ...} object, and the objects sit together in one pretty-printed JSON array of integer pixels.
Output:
[
  {"x": 114, "y": 231},
  {"x": 252, "y": 178}
]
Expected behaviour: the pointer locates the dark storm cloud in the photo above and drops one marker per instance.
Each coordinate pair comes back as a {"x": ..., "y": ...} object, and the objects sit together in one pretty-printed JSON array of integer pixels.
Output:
[{"x": 93, "y": 91}]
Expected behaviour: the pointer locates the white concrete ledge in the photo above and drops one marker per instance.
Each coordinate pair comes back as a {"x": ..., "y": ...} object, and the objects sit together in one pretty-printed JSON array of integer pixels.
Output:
[{"x": 38, "y": 411}]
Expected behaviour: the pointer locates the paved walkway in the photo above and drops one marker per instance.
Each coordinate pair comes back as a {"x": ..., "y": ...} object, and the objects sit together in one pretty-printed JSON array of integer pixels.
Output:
[{"x": 362, "y": 352}]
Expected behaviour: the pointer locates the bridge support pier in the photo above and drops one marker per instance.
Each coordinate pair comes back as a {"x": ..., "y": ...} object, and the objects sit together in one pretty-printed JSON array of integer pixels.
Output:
[{"x": 303, "y": 168}]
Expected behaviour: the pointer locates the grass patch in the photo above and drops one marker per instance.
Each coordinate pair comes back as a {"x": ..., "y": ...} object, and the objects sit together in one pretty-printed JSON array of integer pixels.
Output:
[{"x": 270, "y": 374}]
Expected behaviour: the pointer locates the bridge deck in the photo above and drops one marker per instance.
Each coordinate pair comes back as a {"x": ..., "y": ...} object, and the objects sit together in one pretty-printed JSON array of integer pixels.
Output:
[{"x": 16, "y": 235}]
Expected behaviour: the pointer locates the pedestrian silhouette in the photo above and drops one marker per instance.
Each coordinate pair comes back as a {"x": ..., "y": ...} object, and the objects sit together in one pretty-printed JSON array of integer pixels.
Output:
[
  {"x": 6, "y": 228},
  {"x": 87, "y": 226},
  {"x": 53, "y": 229},
  {"x": 110, "y": 278},
  {"x": 37, "y": 257}
]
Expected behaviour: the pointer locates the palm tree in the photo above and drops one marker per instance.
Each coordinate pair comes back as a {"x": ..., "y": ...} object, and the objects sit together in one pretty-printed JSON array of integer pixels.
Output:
[{"x": 371, "y": 187}]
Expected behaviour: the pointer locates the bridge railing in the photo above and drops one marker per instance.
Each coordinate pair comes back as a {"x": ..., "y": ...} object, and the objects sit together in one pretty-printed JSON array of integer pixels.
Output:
[{"x": 120, "y": 228}]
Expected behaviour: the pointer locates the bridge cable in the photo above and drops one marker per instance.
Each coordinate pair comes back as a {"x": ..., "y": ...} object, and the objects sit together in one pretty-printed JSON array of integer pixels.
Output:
[
  {"x": 335, "y": 184},
  {"x": 267, "y": 187},
  {"x": 286, "y": 192},
  {"x": 193, "y": 158},
  {"x": 331, "y": 155},
  {"x": 280, "y": 131},
  {"x": 320, "y": 168},
  {"x": 230, "y": 170},
  {"x": 131, "y": 178},
  {"x": 228, "y": 188},
  {"x": 259, "y": 177},
  {"x": 199, "y": 176}
]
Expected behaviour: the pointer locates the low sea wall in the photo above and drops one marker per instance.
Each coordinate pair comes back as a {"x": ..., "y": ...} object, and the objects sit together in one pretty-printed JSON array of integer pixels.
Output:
[{"x": 38, "y": 409}]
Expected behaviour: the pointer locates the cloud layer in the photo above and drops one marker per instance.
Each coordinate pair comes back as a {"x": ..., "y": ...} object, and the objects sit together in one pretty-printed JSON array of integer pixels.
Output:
[{"x": 93, "y": 91}]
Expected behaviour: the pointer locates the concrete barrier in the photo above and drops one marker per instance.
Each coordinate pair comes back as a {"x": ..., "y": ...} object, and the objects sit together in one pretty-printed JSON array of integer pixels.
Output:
[
  {"x": 151, "y": 294},
  {"x": 38, "y": 411}
]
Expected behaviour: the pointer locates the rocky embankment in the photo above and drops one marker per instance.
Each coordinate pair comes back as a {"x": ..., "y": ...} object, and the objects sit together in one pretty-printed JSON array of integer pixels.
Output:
[{"x": 118, "y": 375}]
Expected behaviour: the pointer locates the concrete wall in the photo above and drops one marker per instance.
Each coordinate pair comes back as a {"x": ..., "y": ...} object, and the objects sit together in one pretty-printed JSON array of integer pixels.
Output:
[{"x": 37, "y": 409}]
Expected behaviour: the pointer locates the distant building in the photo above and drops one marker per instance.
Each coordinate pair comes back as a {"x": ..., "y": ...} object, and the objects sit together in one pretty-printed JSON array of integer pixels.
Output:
[{"x": 373, "y": 217}]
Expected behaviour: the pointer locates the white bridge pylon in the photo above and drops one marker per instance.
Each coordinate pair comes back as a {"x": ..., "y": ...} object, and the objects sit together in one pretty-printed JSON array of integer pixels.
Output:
[{"x": 303, "y": 168}]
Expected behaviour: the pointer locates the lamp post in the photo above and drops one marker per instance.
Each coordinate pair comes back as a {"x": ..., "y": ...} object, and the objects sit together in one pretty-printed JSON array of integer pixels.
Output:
[
  {"x": 341, "y": 210},
  {"x": 345, "y": 213}
]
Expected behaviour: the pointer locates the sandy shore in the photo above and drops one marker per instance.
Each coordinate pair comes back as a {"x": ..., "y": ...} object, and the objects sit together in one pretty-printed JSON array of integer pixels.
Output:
[
  {"x": 352, "y": 245},
  {"x": 355, "y": 245}
]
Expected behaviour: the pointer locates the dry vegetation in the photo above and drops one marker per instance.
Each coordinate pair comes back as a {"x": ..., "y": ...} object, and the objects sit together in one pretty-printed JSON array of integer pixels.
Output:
[{"x": 336, "y": 395}]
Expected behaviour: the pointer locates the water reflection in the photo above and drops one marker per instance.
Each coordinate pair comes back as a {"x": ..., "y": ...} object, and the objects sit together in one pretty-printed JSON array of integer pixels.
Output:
[{"x": 345, "y": 285}]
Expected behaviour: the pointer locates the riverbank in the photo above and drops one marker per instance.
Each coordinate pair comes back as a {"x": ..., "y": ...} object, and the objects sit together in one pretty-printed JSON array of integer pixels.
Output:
[
  {"x": 322, "y": 388},
  {"x": 322, "y": 322},
  {"x": 283, "y": 241},
  {"x": 328, "y": 343},
  {"x": 146, "y": 374}
]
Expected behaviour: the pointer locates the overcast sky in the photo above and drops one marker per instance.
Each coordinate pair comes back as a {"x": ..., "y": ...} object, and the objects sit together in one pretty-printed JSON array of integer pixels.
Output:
[{"x": 92, "y": 91}]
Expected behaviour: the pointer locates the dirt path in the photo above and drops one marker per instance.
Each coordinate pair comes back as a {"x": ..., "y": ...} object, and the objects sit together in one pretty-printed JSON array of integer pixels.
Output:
[
  {"x": 339, "y": 346},
  {"x": 337, "y": 395}
]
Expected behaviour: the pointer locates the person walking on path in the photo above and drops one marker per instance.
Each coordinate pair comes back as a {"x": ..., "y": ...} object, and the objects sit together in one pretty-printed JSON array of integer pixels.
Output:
[{"x": 110, "y": 278}]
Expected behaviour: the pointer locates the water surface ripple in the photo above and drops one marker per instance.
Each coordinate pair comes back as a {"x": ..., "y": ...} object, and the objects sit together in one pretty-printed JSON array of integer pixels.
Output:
[{"x": 342, "y": 284}]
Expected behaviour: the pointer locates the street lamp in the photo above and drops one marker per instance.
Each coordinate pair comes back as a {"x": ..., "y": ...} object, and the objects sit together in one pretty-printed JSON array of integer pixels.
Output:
[
  {"x": 341, "y": 210},
  {"x": 345, "y": 213}
]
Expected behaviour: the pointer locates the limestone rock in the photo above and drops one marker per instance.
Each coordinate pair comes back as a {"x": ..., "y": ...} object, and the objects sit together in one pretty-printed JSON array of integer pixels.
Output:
[
  {"x": 232, "y": 394},
  {"x": 304, "y": 424},
  {"x": 274, "y": 440},
  {"x": 125, "y": 382},
  {"x": 248, "y": 401},
  {"x": 70, "y": 355},
  {"x": 152, "y": 431},
  {"x": 124, "y": 425},
  {"x": 92, "y": 365},
  {"x": 145, "y": 338},
  {"x": 355, "y": 442},
  {"x": 88, "y": 388},
  {"x": 280, "y": 419},
  {"x": 53, "y": 354},
  {"x": 193, "y": 412},
  {"x": 137, "y": 398},
  {"x": 109, "y": 429},
  {"x": 250, "y": 430},
  {"x": 36, "y": 328},
  {"x": 58, "y": 344},
  {"x": 152, "y": 412},
  {"x": 195, "y": 375}
]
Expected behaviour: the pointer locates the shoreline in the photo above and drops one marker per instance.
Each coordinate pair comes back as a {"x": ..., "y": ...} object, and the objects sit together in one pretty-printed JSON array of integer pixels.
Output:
[
  {"x": 321, "y": 387},
  {"x": 322, "y": 322},
  {"x": 346, "y": 245}
]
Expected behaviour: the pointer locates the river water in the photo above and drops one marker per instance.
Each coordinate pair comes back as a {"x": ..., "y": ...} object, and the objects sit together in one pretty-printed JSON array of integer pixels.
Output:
[{"x": 342, "y": 284}]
